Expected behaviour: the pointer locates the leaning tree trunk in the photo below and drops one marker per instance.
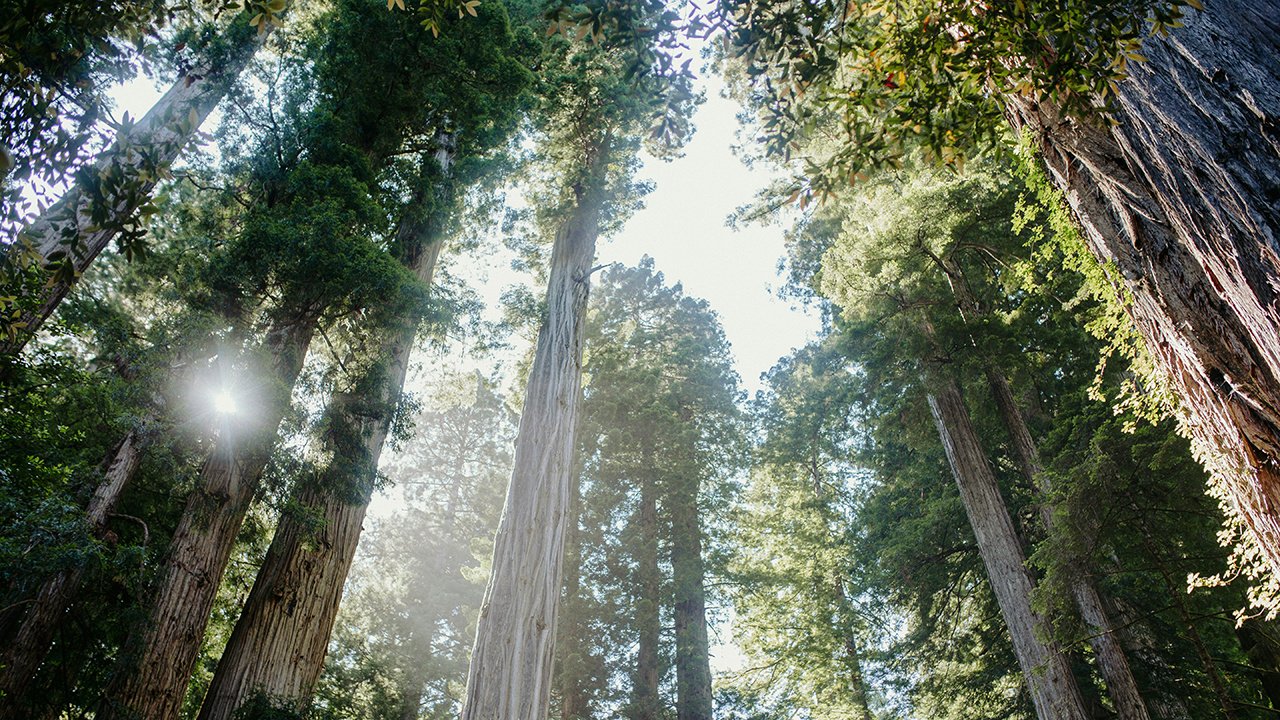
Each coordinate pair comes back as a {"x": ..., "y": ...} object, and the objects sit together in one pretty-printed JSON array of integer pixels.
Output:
[
  {"x": 23, "y": 657},
  {"x": 1181, "y": 195},
  {"x": 1045, "y": 667},
  {"x": 693, "y": 654},
  {"x": 510, "y": 673},
  {"x": 647, "y": 705},
  {"x": 278, "y": 645},
  {"x": 78, "y": 227},
  {"x": 1112, "y": 660},
  {"x": 151, "y": 678}
]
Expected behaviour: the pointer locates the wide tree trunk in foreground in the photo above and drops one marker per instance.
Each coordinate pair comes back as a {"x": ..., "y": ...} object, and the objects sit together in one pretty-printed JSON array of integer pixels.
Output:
[
  {"x": 693, "y": 656},
  {"x": 81, "y": 225},
  {"x": 510, "y": 673},
  {"x": 21, "y": 660},
  {"x": 1045, "y": 668},
  {"x": 151, "y": 677},
  {"x": 1181, "y": 195},
  {"x": 1107, "y": 650},
  {"x": 279, "y": 643}
]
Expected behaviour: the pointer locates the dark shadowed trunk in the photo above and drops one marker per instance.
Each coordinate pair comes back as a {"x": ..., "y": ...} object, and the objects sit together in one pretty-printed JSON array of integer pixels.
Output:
[
  {"x": 23, "y": 657},
  {"x": 151, "y": 677},
  {"x": 648, "y": 584},
  {"x": 693, "y": 657},
  {"x": 1181, "y": 195},
  {"x": 1045, "y": 668},
  {"x": 81, "y": 225},
  {"x": 510, "y": 673}
]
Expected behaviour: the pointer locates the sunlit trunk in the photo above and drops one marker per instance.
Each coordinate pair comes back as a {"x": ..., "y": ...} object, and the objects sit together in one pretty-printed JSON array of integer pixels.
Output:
[
  {"x": 1181, "y": 195},
  {"x": 1045, "y": 668},
  {"x": 510, "y": 673},
  {"x": 151, "y": 677},
  {"x": 91, "y": 214},
  {"x": 279, "y": 643}
]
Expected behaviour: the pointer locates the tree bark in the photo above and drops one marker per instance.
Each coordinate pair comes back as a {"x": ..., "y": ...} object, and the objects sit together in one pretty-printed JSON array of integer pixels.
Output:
[
  {"x": 1180, "y": 194},
  {"x": 1112, "y": 661},
  {"x": 693, "y": 656},
  {"x": 573, "y": 696},
  {"x": 646, "y": 702},
  {"x": 1045, "y": 668},
  {"x": 510, "y": 673},
  {"x": 81, "y": 224},
  {"x": 279, "y": 643},
  {"x": 30, "y": 646},
  {"x": 151, "y": 677}
]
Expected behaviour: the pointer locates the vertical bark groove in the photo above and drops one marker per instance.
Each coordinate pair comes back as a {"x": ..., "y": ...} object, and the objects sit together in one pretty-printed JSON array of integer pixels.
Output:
[
  {"x": 151, "y": 678},
  {"x": 510, "y": 673},
  {"x": 1045, "y": 668},
  {"x": 1181, "y": 195}
]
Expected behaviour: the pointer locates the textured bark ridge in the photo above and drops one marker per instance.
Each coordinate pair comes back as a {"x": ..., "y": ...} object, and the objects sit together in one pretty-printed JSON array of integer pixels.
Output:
[
  {"x": 510, "y": 673},
  {"x": 152, "y": 676},
  {"x": 23, "y": 657},
  {"x": 647, "y": 703},
  {"x": 1107, "y": 650},
  {"x": 279, "y": 643},
  {"x": 1044, "y": 667},
  {"x": 1183, "y": 196},
  {"x": 81, "y": 224},
  {"x": 693, "y": 657}
]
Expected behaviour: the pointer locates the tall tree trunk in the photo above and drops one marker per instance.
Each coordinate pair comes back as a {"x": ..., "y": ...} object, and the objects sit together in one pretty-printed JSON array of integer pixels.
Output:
[
  {"x": 510, "y": 673},
  {"x": 852, "y": 657},
  {"x": 81, "y": 225},
  {"x": 279, "y": 643},
  {"x": 413, "y": 684},
  {"x": 23, "y": 657},
  {"x": 1044, "y": 667},
  {"x": 1112, "y": 661},
  {"x": 693, "y": 655},
  {"x": 151, "y": 678},
  {"x": 1180, "y": 194},
  {"x": 646, "y": 702}
]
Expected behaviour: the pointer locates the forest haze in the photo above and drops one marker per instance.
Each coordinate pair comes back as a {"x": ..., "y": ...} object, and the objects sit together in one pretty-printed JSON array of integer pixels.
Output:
[{"x": 268, "y": 453}]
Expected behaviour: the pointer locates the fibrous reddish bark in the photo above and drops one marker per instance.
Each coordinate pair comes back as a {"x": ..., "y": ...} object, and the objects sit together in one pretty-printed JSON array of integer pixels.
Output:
[
  {"x": 1181, "y": 195},
  {"x": 151, "y": 677},
  {"x": 1107, "y": 650},
  {"x": 1045, "y": 668},
  {"x": 279, "y": 643}
]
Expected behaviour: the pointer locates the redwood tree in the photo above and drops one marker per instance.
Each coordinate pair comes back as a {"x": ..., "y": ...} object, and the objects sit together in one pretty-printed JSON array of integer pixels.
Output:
[{"x": 1156, "y": 123}]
